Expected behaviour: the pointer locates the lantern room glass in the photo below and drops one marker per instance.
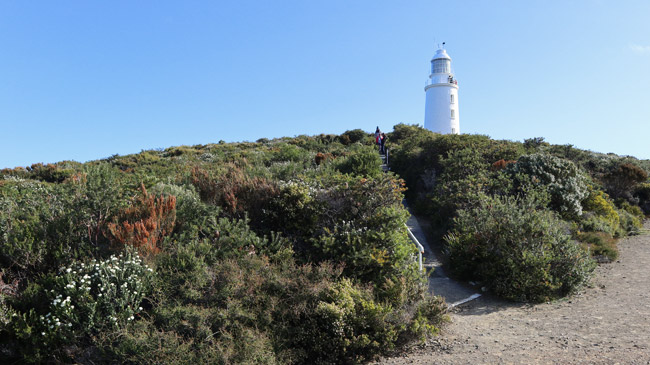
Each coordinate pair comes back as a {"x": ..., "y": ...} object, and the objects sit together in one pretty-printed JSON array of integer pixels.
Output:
[{"x": 440, "y": 66}]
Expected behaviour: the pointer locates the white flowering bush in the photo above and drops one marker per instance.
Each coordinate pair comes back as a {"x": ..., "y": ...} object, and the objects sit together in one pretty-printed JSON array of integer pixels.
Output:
[{"x": 95, "y": 295}]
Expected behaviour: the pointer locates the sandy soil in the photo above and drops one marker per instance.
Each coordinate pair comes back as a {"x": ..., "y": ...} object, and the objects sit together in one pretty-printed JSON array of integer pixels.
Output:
[{"x": 608, "y": 323}]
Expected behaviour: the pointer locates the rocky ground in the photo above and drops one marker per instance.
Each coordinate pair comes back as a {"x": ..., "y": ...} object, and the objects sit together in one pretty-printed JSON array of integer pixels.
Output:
[{"x": 608, "y": 323}]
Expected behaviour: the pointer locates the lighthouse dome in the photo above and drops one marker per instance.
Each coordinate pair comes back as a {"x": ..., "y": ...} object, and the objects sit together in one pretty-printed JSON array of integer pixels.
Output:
[{"x": 441, "y": 54}]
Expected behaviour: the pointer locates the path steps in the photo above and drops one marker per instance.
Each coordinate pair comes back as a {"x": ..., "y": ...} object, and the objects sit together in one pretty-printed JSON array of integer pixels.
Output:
[
  {"x": 384, "y": 165},
  {"x": 454, "y": 292}
]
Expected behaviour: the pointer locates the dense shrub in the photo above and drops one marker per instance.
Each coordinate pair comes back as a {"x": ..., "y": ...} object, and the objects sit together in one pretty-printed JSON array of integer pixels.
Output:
[
  {"x": 630, "y": 223},
  {"x": 621, "y": 180},
  {"x": 601, "y": 213},
  {"x": 465, "y": 176},
  {"x": 235, "y": 191},
  {"x": 419, "y": 156},
  {"x": 287, "y": 152},
  {"x": 39, "y": 227},
  {"x": 563, "y": 180},
  {"x": 642, "y": 193},
  {"x": 353, "y": 136},
  {"x": 25, "y": 214},
  {"x": 50, "y": 172},
  {"x": 347, "y": 324},
  {"x": 362, "y": 162},
  {"x": 517, "y": 251}
]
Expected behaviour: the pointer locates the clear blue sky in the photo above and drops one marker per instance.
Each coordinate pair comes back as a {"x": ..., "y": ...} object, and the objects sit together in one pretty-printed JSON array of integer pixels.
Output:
[{"x": 82, "y": 80}]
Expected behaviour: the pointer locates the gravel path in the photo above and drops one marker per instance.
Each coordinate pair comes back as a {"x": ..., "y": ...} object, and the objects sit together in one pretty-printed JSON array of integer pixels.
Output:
[{"x": 608, "y": 323}]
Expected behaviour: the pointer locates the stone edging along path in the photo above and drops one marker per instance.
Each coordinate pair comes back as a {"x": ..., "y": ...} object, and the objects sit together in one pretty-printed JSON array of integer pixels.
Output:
[{"x": 607, "y": 323}]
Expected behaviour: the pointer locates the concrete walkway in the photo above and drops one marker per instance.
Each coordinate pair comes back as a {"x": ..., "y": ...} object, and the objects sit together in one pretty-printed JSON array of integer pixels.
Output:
[{"x": 454, "y": 292}]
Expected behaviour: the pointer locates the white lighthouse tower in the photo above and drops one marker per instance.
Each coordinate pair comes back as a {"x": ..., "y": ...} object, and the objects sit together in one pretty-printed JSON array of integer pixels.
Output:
[{"x": 441, "y": 108}]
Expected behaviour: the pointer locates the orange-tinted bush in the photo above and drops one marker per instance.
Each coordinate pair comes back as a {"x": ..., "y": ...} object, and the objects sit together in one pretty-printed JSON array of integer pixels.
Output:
[
  {"x": 145, "y": 223},
  {"x": 322, "y": 157},
  {"x": 501, "y": 164},
  {"x": 205, "y": 184},
  {"x": 235, "y": 191}
]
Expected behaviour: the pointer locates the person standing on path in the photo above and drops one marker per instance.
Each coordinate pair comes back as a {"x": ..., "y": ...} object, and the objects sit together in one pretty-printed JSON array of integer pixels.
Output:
[{"x": 382, "y": 144}]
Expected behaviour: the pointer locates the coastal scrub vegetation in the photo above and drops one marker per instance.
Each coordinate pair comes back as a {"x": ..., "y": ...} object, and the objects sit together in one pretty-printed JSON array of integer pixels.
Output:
[
  {"x": 292, "y": 250},
  {"x": 525, "y": 220}
]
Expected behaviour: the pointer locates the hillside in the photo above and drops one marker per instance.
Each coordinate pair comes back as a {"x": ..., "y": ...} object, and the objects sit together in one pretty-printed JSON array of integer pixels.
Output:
[{"x": 292, "y": 250}]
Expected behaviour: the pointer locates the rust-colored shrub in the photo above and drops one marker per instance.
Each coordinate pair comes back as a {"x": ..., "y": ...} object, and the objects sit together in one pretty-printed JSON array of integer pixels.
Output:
[
  {"x": 205, "y": 184},
  {"x": 322, "y": 157},
  {"x": 501, "y": 164},
  {"x": 145, "y": 223},
  {"x": 235, "y": 191},
  {"x": 242, "y": 193}
]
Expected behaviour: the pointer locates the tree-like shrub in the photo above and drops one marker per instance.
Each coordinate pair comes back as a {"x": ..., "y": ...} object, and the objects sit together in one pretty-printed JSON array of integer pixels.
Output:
[{"x": 517, "y": 251}]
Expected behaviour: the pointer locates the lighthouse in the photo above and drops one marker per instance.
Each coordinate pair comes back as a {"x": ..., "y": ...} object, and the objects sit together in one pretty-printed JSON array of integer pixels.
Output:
[{"x": 441, "y": 107}]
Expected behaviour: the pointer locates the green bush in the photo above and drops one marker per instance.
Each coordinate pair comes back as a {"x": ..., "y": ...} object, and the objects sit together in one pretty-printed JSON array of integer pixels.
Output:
[
  {"x": 517, "y": 251},
  {"x": 630, "y": 223},
  {"x": 603, "y": 217},
  {"x": 465, "y": 176},
  {"x": 347, "y": 324},
  {"x": 353, "y": 136},
  {"x": 40, "y": 227},
  {"x": 288, "y": 152},
  {"x": 564, "y": 181},
  {"x": 363, "y": 162}
]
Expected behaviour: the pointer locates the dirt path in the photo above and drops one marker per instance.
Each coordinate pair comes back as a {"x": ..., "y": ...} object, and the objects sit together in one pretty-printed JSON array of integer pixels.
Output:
[{"x": 608, "y": 323}]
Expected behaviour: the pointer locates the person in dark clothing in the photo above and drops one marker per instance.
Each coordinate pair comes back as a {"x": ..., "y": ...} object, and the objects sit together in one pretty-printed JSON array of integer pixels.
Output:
[{"x": 382, "y": 146}]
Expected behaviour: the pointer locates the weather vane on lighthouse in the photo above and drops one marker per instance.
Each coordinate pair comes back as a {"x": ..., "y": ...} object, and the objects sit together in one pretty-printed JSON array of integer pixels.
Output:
[{"x": 441, "y": 107}]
